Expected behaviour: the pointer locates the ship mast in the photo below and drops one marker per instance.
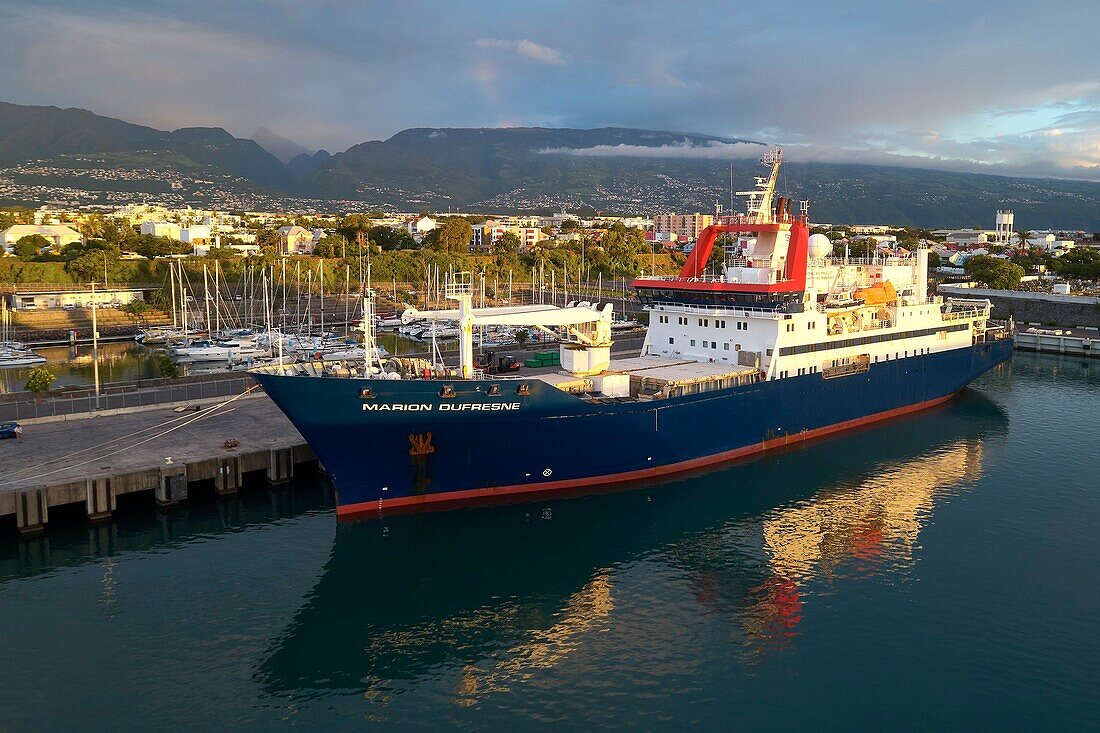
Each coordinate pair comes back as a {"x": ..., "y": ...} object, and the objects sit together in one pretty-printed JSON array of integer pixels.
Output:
[{"x": 760, "y": 200}]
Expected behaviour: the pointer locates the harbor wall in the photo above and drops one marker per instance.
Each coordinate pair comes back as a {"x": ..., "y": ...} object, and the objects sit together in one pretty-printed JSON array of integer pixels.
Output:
[{"x": 1044, "y": 309}]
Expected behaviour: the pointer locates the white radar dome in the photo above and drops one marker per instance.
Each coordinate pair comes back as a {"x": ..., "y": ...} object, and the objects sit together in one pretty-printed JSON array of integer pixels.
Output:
[{"x": 820, "y": 246}]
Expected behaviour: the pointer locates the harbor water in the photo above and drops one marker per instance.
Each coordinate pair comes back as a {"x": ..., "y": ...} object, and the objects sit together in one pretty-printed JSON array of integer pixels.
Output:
[
  {"x": 127, "y": 361},
  {"x": 934, "y": 572}
]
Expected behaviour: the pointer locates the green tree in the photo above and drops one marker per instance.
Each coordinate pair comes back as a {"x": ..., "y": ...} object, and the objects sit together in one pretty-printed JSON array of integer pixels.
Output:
[
  {"x": 1080, "y": 262},
  {"x": 29, "y": 246},
  {"x": 39, "y": 380},
  {"x": 388, "y": 238},
  {"x": 453, "y": 235},
  {"x": 352, "y": 224},
  {"x": 993, "y": 272},
  {"x": 151, "y": 247},
  {"x": 94, "y": 264},
  {"x": 508, "y": 242},
  {"x": 332, "y": 245}
]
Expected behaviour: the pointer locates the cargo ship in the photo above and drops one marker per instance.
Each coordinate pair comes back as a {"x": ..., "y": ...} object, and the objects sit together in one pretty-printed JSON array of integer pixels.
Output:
[{"x": 779, "y": 342}]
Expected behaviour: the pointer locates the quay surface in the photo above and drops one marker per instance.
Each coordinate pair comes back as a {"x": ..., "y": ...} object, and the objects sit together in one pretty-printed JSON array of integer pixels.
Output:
[
  {"x": 1081, "y": 341},
  {"x": 95, "y": 460}
]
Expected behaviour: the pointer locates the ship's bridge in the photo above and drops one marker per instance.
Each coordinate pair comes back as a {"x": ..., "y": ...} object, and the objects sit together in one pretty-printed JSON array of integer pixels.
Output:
[{"x": 768, "y": 270}]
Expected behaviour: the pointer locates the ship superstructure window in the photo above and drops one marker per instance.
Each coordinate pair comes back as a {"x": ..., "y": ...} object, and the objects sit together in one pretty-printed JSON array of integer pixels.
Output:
[
  {"x": 790, "y": 327},
  {"x": 742, "y": 325},
  {"x": 726, "y": 346},
  {"x": 719, "y": 324},
  {"x": 662, "y": 319},
  {"x": 671, "y": 340},
  {"x": 693, "y": 342}
]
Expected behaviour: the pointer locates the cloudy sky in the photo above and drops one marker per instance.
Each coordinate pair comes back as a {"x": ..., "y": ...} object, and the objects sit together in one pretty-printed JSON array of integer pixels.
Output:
[{"x": 1001, "y": 86}]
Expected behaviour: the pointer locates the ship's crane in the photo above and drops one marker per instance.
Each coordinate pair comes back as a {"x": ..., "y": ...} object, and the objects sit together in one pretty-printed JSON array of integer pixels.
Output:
[{"x": 587, "y": 327}]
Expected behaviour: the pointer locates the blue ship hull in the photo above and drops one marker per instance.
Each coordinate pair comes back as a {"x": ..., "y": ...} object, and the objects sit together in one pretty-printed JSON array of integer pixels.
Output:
[{"x": 406, "y": 447}]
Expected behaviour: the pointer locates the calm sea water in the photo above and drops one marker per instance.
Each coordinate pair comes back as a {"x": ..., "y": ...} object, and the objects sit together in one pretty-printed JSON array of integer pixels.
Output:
[{"x": 938, "y": 572}]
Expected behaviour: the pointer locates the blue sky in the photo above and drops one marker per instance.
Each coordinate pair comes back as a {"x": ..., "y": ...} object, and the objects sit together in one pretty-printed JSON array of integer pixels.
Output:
[{"x": 996, "y": 86}]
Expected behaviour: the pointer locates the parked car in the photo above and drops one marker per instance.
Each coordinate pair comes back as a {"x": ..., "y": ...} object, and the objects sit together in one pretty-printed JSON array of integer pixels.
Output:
[
  {"x": 10, "y": 430},
  {"x": 69, "y": 307}
]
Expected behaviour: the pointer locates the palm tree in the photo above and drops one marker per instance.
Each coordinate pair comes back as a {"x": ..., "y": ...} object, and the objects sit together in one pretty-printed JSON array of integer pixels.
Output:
[{"x": 1022, "y": 234}]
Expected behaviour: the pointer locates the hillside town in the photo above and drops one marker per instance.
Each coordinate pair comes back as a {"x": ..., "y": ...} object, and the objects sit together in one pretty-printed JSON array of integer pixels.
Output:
[{"x": 152, "y": 231}]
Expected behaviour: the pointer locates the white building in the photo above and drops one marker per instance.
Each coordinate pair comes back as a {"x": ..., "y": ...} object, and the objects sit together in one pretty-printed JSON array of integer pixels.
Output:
[
  {"x": 419, "y": 226},
  {"x": 161, "y": 229},
  {"x": 47, "y": 300},
  {"x": 196, "y": 234},
  {"x": 58, "y": 235},
  {"x": 201, "y": 250}
]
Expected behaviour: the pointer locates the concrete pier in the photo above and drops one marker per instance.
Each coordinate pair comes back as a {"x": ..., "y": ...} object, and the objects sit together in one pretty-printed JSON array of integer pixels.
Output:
[
  {"x": 159, "y": 453},
  {"x": 1078, "y": 341}
]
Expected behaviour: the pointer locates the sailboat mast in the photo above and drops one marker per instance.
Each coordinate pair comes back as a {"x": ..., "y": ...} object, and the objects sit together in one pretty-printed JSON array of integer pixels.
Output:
[
  {"x": 172, "y": 296},
  {"x": 206, "y": 299},
  {"x": 217, "y": 298}
]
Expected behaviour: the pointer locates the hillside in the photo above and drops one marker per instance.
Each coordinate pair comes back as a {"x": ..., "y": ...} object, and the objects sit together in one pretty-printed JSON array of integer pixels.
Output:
[
  {"x": 532, "y": 169},
  {"x": 48, "y": 133},
  {"x": 75, "y": 156}
]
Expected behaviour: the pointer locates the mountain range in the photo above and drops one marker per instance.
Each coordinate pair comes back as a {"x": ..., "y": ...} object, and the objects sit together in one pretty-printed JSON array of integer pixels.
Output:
[{"x": 49, "y": 153}]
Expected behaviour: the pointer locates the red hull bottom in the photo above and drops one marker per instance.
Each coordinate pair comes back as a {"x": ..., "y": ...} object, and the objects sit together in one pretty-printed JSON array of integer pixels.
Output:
[{"x": 499, "y": 494}]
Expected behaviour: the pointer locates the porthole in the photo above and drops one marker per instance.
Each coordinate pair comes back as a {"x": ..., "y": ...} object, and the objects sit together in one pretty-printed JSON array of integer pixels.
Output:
[
  {"x": 366, "y": 393},
  {"x": 524, "y": 390},
  {"x": 447, "y": 391}
]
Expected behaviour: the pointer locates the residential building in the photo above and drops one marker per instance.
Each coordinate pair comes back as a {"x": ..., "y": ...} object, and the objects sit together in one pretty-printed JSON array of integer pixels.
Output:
[
  {"x": 419, "y": 226},
  {"x": 196, "y": 234},
  {"x": 295, "y": 240},
  {"x": 58, "y": 235},
  {"x": 486, "y": 235},
  {"x": 667, "y": 240},
  {"x": 869, "y": 229},
  {"x": 684, "y": 226},
  {"x": 167, "y": 229}
]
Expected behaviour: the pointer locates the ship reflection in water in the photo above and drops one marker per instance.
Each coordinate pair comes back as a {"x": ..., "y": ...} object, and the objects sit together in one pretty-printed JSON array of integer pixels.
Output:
[{"x": 469, "y": 604}]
